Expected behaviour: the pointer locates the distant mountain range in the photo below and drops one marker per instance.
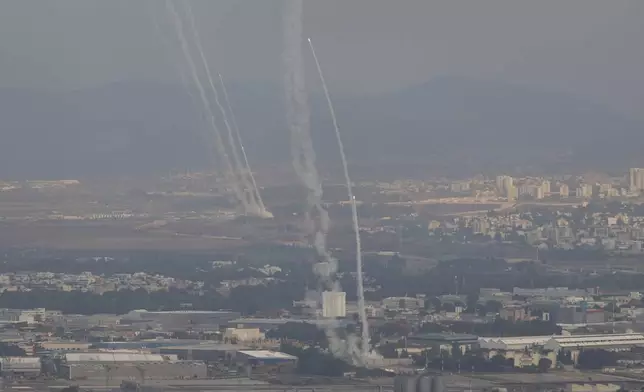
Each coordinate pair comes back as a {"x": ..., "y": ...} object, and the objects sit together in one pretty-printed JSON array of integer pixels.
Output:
[{"x": 449, "y": 123}]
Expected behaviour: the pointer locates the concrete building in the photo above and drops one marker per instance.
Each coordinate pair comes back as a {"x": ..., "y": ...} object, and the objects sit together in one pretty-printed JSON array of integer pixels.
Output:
[
  {"x": 122, "y": 366},
  {"x": 22, "y": 366},
  {"x": 584, "y": 191},
  {"x": 334, "y": 304},
  {"x": 403, "y": 303},
  {"x": 502, "y": 183},
  {"x": 636, "y": 179},
  {"x": 513, "y": 313},
  {"x": 244, "y": 334},
  {"x": 564, "y": 191},
  {"x": 209, "y": 352},
  {"x": 258, "y": 357},
  {"x": 519, "y": 343},
  {"x": 511, "y": 192},
  {"x": 612, "y": 342},
  {"x": 545, "y": 187},
  {"x": 440, "y": 341},
  {"x": 135, "y": 371}
]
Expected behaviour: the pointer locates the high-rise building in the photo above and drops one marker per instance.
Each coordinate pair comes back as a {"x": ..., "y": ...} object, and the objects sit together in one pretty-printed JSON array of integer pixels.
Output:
[
  {"x": 636, "y": 179},
  {"x": 511, "y": 192},
  {"x": 545, "y": 186},
  {"x": 539, "y": 194},
  {"x": 564, "y": 191},
  {"x": 334, "y": 304},
  {"x": 503, "y": 183},
  {"x": 585, "y": 190}
]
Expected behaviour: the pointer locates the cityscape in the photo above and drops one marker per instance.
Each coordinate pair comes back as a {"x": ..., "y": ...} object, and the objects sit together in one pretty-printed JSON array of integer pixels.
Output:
[{"x": 330, "y": 196}]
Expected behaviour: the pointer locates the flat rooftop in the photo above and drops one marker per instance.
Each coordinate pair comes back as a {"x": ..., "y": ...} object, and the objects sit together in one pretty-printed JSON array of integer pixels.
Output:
[{"x": 445, "y": 337}]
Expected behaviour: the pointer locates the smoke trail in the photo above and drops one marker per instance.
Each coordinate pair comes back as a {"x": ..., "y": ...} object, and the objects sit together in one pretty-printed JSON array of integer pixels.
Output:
[
  {"x": 233, "y": 119},
  {"x": 221, "y": 147},
  {"x": 354, "y": 211},
  {"x": 179, "y": 66},
  {"x": 239, "y": 171},
  {"x": 298, "y": 115}
]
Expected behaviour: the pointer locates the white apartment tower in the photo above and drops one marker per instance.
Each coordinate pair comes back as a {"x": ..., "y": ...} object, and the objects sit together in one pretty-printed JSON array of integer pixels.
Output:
[
  {"x": 545, "y": 185},
  {"x": 637, "y": 179},
  {"x": 334, "y": 304}
]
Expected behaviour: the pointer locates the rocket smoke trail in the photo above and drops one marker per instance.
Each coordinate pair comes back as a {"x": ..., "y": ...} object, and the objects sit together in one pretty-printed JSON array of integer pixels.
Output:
[
  {"x": 169, "y": 50},
  {"x": 251, "y": 202},
  {"x": 221, "y": 147},
  {"x": 298, "y": 115},
  {"x": 354, "y": 211},
  {"x": 233, "y": 119}
]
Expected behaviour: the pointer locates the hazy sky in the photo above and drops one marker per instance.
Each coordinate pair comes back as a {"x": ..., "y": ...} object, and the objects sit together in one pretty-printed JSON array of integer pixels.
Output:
[{"x": 592, "y": 48}]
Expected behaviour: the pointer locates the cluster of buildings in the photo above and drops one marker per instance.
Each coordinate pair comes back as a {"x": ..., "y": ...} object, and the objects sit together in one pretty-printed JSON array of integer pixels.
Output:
[
  {"x": 562, "y": 229},
  {"x": 558, "y": 187},
  {"x": 137, "y": 346},
  {"x": 88, "y": 282}
]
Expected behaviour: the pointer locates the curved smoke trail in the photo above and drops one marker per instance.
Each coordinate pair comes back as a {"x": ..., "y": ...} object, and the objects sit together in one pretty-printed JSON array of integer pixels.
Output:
[
  {"x": 219, "y": 142},
  {"x": 354, "y": 211},
  {"x": 170, "y": 47},
  {"x": 233, "y": 119},
  {"x": 298, "y": 115},
  {"x": 247, "y": 188}
]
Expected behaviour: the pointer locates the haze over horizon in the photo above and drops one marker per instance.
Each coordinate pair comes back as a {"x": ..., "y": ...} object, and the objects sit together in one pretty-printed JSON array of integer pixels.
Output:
[
  {"x": 89, "y": 87},
  {"x": 588, "y": 48}
]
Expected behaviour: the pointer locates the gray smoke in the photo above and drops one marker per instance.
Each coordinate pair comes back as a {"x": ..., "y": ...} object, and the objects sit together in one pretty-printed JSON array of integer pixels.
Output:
[
  {"x": 354, "y": 211},
  {"x": 219, "y": 142},
  {"x": 298, "y": 116},
  {"x": 250, "y": 191},
  {"x": 233, "y": 119}
]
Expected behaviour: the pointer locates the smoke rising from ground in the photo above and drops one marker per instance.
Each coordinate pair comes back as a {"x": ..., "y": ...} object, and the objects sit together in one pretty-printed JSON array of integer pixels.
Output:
[
  {"x": 298, "y": 116},
  {"x": 354, "y": 211},
  {"x": 246, "y": 192}
]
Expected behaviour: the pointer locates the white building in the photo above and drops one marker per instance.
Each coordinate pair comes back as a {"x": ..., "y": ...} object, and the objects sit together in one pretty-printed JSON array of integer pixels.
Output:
[
  {"x": 334, "y": 304},
  {"x": 636, "y": 179}
]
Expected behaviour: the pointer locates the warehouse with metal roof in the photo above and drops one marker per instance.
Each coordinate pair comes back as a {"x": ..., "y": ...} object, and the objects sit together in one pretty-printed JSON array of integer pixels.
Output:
[
  {"x": 605, "y": 341},
  {"x": 514, "y": 343}
]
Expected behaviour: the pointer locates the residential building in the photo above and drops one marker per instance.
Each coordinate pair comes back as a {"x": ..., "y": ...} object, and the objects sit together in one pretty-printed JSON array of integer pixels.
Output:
[{"x": 636, "y": 179}]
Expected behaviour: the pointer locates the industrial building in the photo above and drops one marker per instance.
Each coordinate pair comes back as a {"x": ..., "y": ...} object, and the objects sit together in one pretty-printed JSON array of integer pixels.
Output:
[
  {"x": 263, "y": 361},
  {"x": 403, "y": 303},
  {"x": 244, "y": 334},
  {"x": 443, "y": 341},
  {"x": 519, "y": 343},
  {"x": 121, "y": 366},
  {"x": 22, "y": 366},
  {"x": 208, "y": 352},
  {"x": 612, "y": 342}
]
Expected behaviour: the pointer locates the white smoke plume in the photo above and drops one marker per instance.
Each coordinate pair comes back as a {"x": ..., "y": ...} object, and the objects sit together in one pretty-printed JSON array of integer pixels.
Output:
[
  {"x": 248, "y": 188},
  {"x": 354, "y": 211},
  {"x": 233, "y": 119},
  {"x": 298, "y": 116},
  {"x": 219, "y": 142}
]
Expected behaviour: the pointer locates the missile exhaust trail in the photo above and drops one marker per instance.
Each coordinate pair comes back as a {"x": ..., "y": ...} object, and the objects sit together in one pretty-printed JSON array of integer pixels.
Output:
[
  {"x": 298, "y": 115},
  {"x": 354, "y": 211},
  {"x": 221, "y": 147},
  {"x": 246, "y": 187},
  {"x": 233, "y": 119}
]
